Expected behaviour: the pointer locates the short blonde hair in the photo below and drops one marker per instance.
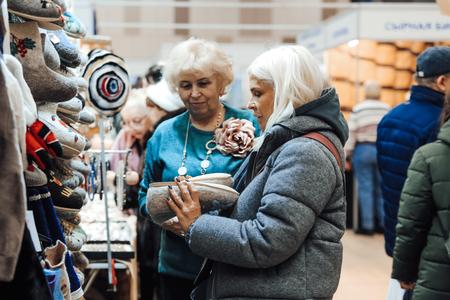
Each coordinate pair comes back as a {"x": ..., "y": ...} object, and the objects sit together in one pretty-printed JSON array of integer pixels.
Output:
[{"x": 198, "y": 55}]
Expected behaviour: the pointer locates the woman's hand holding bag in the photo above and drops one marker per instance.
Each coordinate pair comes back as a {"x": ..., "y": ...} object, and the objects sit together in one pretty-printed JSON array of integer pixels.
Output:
[{"x": 214, "y": 192}]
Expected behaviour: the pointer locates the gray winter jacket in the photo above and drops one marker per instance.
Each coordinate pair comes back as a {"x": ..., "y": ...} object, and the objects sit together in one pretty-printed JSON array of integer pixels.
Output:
[{"x": 282, "y": 240}]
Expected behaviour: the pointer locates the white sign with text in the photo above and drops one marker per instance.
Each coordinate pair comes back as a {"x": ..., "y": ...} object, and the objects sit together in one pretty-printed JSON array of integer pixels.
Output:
[{"x": 412, "y": 24}]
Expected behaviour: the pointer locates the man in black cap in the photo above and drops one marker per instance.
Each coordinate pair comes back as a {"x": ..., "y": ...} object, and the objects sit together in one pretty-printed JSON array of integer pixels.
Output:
[{"x": 407, "y": 127}]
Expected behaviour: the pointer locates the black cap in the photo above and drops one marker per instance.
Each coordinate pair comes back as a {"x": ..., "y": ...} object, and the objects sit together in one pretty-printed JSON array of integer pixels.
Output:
[{"x": 434, "y": 61}]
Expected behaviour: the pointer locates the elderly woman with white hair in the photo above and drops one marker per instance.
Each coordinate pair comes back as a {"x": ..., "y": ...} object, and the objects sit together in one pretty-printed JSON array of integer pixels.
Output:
[
  {"x": 282, "y": 240},
  {"x": 361, "y": 148},
  {"x": 185, "y": 146}
]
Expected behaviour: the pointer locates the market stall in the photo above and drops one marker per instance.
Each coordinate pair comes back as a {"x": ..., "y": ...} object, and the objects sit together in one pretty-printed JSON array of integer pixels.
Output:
[{"x": 376, "y": 42}]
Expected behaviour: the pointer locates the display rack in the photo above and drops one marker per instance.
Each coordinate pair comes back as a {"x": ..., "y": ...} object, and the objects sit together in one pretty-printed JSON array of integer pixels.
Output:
[
  {"x": 103, "y": 193},
  {"x": 379, "y": 42},
  {"x": 391, "y": 64},
  {"x": 119, "y": 252},
  {"x": 121, "y": 240}
]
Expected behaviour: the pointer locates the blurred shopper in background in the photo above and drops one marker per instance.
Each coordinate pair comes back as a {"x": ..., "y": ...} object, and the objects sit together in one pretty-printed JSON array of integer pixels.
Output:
[
  {"x": 407, "y": 127},
  {"x": 362, "y": 150},
  {"x": 138, "y": 82},
  {"x": 422, "y": 245},
  {"x": 135, "y": 131},
  {"x": 154, "y": 73},
  {"x": 283, "y": 237},
  {"x": 152, "y": 76},
  {"x": 200, "y": 72},
  {"x": 143, "y": 112}
]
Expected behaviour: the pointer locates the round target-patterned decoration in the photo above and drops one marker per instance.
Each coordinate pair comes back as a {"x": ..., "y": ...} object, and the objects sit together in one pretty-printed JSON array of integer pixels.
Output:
[{"x": 108, "y": 79}]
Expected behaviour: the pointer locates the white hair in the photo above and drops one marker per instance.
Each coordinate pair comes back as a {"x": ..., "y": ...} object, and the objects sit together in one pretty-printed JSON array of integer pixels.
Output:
[
  {"x": 372, "y": 89},
  {"x": 137, "y": 101},
  {"x": 198, "y": 55},
  {"x": 296, "y": 78}
]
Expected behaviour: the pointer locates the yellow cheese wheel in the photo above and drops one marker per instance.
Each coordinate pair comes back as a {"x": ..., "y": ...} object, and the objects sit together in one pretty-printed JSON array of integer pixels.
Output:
[
  {"x": 385, "y": 75},
  {"x": 337, "y": 63},
  {"x": 366, "y": 49},
  {"x": 344, "y": 92},
  {"x": 402, "y": 79},
  {"x": 403, "y": 44},
  {"x": 386, "y": 54},
  {"x": 417, "y": 47},
  {"x": 404, "y": 60},
  {"x": 400, "y": 97},
  {"x": 413, "y": 65},
  {"x": 388, "y": 96},
  {"x": 362, "y": 70}
]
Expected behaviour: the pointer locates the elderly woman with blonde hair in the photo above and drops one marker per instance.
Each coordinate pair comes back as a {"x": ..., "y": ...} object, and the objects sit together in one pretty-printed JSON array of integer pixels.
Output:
[
  {"x": 200, "y": 72},
  {"x": 282, "y": 240}
]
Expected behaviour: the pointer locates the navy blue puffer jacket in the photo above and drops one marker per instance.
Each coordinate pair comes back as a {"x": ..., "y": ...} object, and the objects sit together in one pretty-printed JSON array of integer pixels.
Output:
[{"x": 404, "y": 129}]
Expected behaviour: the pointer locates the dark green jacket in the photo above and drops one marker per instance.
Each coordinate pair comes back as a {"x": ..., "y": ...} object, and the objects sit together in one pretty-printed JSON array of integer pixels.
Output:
[{"x": 419, "y": 253}]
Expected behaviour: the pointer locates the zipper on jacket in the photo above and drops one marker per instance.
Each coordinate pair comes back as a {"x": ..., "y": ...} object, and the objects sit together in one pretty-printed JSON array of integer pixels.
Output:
[{"x": 213, "y": 284}]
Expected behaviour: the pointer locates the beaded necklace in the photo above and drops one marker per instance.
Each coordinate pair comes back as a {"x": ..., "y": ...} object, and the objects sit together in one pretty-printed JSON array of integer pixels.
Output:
[{"x": 210, "y": 147}]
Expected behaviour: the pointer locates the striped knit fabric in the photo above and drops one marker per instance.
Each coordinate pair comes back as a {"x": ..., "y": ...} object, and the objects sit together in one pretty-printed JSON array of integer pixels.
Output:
[{"x": 363, "y": 122}]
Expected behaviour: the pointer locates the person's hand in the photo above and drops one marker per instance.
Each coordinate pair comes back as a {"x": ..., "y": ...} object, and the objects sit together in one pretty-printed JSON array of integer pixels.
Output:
[
  {"x": 348, "y": 165},
  {"x": 174, "y": 226},
  {"x": 129, "y": 137},
  {"x": 187, "y": 205},
  {"x": 407, "y": 285},
  {"x": 129, "y": 212},
  {"x": 131, "y": 177}
]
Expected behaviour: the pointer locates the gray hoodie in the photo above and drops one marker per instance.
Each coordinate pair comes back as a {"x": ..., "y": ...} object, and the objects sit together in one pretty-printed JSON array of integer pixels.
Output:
[{"x": 282, "y": 240}]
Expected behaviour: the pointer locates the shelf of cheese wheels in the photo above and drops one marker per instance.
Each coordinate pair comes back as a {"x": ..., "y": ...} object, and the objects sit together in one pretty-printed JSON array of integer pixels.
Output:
[{"x": 391, "y": 64}]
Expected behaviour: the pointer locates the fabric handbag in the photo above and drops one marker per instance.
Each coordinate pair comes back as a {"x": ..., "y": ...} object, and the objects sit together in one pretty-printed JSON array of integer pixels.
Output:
[{"x": 215, "y": 192}]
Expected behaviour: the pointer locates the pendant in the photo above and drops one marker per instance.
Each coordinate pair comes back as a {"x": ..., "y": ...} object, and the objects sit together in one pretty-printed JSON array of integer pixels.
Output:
[
  {"x": 204, "y": 164},
  {"x": 182, "y": 171}
]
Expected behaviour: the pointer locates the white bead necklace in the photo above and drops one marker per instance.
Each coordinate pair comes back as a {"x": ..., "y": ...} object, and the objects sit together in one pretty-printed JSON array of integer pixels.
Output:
[{"x": 210, "y": 147}]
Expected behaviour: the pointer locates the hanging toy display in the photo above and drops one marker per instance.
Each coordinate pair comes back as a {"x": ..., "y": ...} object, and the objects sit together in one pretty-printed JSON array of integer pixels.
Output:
[{"x": 109, "y": 82}]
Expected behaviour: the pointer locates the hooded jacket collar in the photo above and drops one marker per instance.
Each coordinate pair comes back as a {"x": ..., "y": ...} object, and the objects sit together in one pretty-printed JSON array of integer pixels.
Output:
[
  {"x": 421, "y": 93},
  {"x": 320, "y": 115},
  {"x": 326, "y": 109}
]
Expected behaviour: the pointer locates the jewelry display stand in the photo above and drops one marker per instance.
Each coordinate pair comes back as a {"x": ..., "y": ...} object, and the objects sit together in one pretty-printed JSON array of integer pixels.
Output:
[
  {"x": 105, "y": 199},
  {"x": 98, "y": 247}
]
